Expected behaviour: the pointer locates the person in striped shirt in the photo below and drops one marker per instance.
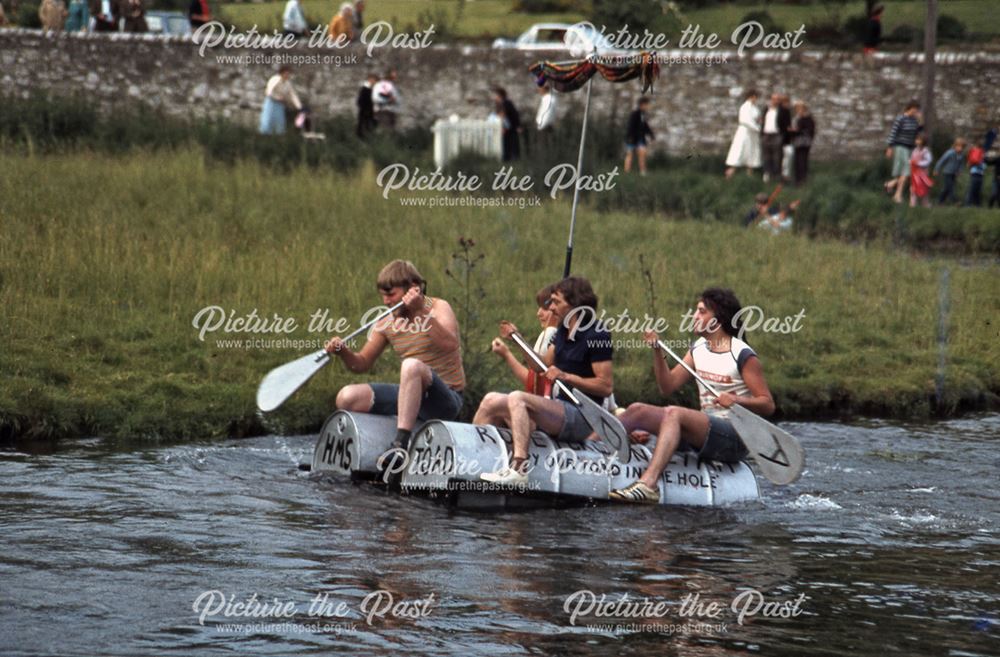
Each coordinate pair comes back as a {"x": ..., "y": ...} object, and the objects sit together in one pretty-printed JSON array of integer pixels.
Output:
[
  {"x": 733, "y": 368},
  {"x": 902, "y": 138},
  {"x": 424, "y": 334}
]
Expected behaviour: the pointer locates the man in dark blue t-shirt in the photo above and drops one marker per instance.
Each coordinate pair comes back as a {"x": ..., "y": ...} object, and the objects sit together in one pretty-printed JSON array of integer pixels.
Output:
[{"x": 580, "y": 357}]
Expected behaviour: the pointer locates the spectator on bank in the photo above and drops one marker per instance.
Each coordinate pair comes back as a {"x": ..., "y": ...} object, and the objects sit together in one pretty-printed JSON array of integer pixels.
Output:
[
  {"x": 760, "y": 209},
  {"x": 511, "y": 118},
  {"x": 134, "y": 12},
  {"x": 900, "y": 142},
  {"x": 772, "y": 136},
  {"x": 342, "y": 25},
  {"x": 359, "y": 19},
  {"x": 994, "y": 159},
  {"x": 873, "y": 31},
  {"x": 744, "y": 151},
  {"x": 780, "y": 221},
  {"x": 366, "y": 106},
  {"x": 386, "y": 96},
  {"x": 920, "y": 181},
  {"x": 278, "y": 96},
  {"x": 803, "y": 132},
  {"x": 637, "y": 135},
  {"x": 977, "y": 169},
  {"x": 545, "y": 117},
  {"x": 104, "y": 15},
  {"x": 199, "y": 13},
  {"x": 785, "y": 117},
  {"x": 949, "y": 166},
  {"x": 79, "y": 16},
  {"x": 293, "y": 20},
  {"x": 53, "y": 15}
]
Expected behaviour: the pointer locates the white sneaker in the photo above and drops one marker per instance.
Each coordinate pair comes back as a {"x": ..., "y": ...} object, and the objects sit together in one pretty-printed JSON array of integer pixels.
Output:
[{"x": 505, "y": 477}]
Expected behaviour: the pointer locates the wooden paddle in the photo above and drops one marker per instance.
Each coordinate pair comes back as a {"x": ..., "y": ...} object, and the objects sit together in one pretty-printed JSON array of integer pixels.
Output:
[
  {"x": 604, "y": 424},
  {"x": 778, "y": 455},
  {"x": 281, "y": 382}
]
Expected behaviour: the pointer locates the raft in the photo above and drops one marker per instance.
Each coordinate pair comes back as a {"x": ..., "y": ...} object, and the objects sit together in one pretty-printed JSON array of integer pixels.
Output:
[{"x": 446, "y": 459}]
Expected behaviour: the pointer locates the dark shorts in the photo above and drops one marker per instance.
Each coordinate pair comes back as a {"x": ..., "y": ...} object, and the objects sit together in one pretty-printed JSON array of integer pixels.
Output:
[
  {"x": 639, "y": 144},
  {"x": 575, "y": 428},
  {"x": 439, "y": 403},
  {"x": 722, "y": 443}
]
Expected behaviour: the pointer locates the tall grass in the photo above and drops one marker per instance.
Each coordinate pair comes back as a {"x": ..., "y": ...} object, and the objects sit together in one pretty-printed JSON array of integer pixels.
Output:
[{"x": 106, "y": 259}]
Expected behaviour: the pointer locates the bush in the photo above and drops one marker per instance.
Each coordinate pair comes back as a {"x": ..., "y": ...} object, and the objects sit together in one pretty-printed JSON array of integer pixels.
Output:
[
  {"x": 950, "y": 28},
  {"x": 27, "y": 14}
]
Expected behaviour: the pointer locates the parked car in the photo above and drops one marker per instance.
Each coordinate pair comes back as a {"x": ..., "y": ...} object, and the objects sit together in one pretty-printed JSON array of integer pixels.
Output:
[
  {"x": 582, "y": 37},
  {"x": 173, "y": 23}
]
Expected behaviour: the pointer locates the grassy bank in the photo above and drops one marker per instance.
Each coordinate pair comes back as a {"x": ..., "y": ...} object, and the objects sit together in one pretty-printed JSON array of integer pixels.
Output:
[
  {"x": 842, "y": 200},
  {"x": 106, "y": 260}
]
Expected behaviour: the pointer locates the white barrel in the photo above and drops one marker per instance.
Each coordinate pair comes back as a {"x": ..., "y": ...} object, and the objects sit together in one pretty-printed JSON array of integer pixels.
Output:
[
  {"x": 351, "y": 443},
  {"x": 450, "y": 456}
]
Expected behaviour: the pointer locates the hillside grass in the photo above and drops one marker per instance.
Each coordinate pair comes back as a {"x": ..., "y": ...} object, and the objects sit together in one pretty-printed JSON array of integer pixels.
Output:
[
  {"x": 105, "y": 259},
  {"x": 487, "y": 19}
]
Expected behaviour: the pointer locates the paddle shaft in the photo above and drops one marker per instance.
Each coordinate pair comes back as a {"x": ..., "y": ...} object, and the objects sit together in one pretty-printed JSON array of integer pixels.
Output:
[
  {"x": 519, "y": 341},
  {"x": 363, "y": 328},
  {"x": 690, "y": 370}
]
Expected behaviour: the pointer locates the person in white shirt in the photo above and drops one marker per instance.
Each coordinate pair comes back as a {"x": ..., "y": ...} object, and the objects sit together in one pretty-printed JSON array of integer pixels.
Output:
[
  {"x": 293, "y": 20},
  {"x": 720, "y": 356},
  {"x": 771, "y": 138},
  {"x": 745, "y": 148},
  {"x": 545, "y": 118},
  {"x": 278, "y": 95},
  {"x": 385, "y": 96}
]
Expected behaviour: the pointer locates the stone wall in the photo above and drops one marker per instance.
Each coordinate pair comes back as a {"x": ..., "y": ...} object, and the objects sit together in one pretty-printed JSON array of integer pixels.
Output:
[{"x": 853, "y": 99}]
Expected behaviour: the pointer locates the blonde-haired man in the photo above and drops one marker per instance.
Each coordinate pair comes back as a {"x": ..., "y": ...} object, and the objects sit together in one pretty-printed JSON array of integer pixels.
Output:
[{"x": 424, "y": 333}]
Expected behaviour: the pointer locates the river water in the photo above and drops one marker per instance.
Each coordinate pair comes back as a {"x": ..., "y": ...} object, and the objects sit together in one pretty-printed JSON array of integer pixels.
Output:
[{"x": 889, "y": 543}]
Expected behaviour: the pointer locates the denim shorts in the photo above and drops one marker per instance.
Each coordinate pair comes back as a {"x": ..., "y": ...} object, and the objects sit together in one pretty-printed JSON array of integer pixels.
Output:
[
  {"x": 639, "y": 144},
  {"x": 439, "y": 403},
  {"x": 722, "y": 443},
  {"x": 575, "y": 428}
]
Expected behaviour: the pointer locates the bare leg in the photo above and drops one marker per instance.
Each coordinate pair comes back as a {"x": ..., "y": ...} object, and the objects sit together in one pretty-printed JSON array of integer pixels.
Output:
[
  {"x": 729, "y": 172},
  {"x": 642, "y": 417},
  {"x": 677, "y": 423},
  {"x": 493, "y": 410},
  {"x": 525, "y": 409},
  {"x": 357, "y": 397},
  {"x": 414, "y": 378},
  {"x": 628, "y": 161},
  {"x": 900, "y": 183},
  {"x": 642, "y": 160}
]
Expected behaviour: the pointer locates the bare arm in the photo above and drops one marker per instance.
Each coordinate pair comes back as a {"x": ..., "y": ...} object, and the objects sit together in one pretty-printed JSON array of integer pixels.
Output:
[
  {"x": 599, "y": 385},
  {"x": 760, "y": 400},
  {"x": 363, "y": 360},
  {"x": 442, "y": 326}
]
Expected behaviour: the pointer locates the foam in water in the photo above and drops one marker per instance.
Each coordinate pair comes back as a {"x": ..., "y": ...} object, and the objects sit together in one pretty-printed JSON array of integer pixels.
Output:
[{"x": 806, "y": 501}]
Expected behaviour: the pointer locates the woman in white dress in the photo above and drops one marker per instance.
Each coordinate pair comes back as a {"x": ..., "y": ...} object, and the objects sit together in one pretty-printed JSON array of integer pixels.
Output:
[{"x": 745, "y": 149}]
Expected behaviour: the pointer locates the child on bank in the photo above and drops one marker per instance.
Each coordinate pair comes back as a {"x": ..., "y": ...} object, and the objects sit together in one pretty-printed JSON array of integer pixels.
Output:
[
  {"x": 920, "y": 181},
  {"x": 950, "y": 165}
]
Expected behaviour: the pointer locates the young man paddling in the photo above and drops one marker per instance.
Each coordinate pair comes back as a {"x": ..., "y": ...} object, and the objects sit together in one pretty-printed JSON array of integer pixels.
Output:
[
  {"x": 424, "y": 333},
  {"x": 578, "y": 357},
  {"x": 727, "y": 363}
]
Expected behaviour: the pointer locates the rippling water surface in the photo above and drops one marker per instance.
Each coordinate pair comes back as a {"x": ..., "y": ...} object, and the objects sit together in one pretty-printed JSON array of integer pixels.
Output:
[{"x": 891, "y": 535}]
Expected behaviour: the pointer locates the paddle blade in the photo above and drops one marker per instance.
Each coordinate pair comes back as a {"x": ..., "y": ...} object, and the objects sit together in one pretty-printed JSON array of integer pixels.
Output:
[
  {"x": 281, "y": 382},
  {"x": 605, "y": 425},
  {"x": 779, "y": 456}
]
